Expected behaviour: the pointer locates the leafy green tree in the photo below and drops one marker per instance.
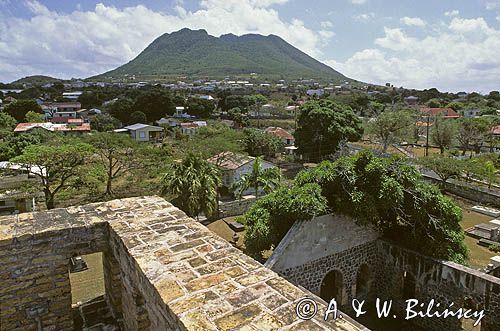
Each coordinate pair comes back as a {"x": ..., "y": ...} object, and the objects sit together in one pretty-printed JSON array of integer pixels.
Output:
[
  {"x": 455, "y": 105},
  {"x": 322, "y": 126},
  {"x": 257, "y": 143},
  {"x": 392, "y": 126},
  {"x": 14, "y": 145},
  {"x": 443, "y": 133},
  {"x": 155, "y": 104},
  {"x": 56, "y": 165},
  {"x": 445, "y": 167},
  {"x": 472, "y": 133},
  {"x": 7, "y": 124},
  {"x": 200, "y": 108},
  {"x": 89, "y": 100},
  {"x": 270, "y": 218},
  {"x": 19, "y": 109},
  {"x": 103, "y": 122},
  {"x": 138, "y": 117},
  {"x": 193, "y": 185},
  {"x": 238, "y": 116},
  {"x": 267, "y": 179},
  {"x": 390, "y": 194},
  {"x": 32, "y": 117},
  {"x": 121, "y": 109},
  {"x": 118, "y": 154},
  {"x": 434, "y": 103}
]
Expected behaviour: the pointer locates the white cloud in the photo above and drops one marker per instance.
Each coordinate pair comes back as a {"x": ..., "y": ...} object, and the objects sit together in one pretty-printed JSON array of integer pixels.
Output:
[
  {"x": 462, "y": 56},
  {"x": 84, "y": 43},
  {"x": 358, "y": 2},
  {"x": 413, "y": 21},
  {"x": 326, "y": 24},
  {"x": 498, "y": 18},
  {"x": 452, "y": 13},
  {"x": 493, "y": 4},
  {"x": 364, "y": 17}
]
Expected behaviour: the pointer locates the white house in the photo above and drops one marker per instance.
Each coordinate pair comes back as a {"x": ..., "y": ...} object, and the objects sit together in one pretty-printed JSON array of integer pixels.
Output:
[
  {"x": 471, "y": 113},
  {"x": 234, "y": 166},
  {"x": 143, "y": 132},
  {"x": 190, "y": 128}
]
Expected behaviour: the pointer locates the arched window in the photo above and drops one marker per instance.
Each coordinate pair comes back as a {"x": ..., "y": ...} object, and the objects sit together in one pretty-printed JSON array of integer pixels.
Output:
[{"x": 332, "y": 286}]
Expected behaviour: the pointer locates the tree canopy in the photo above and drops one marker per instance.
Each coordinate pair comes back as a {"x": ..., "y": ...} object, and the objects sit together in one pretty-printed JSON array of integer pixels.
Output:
[
  {"x": 322, "y": 126},
  {"x": 19, "y": 109}
]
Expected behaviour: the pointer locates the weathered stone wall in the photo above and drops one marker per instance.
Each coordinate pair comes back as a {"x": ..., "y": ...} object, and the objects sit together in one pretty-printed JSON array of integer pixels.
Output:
[
  {"x": 464, "y": 190},
  {"x": 311, "y": 249},
  {"x": 163, "y": 271},
  {"x": 236, "y": 207},
  {"x": 446, "y": 282}
]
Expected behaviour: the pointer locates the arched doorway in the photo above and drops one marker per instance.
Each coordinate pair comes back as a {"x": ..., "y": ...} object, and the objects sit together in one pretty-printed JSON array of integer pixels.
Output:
[
  {"x": 363, "y": 281},
  {"x": 332, "y": 286},
  {"x": 409, "y": 284}
]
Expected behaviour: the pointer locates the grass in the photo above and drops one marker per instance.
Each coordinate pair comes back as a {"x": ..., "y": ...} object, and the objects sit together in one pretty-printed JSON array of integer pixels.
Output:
[
  {"x": 479, "y": 256},
  {"x": 220, "y": 228},
  {"x": 88, "y": 284}
]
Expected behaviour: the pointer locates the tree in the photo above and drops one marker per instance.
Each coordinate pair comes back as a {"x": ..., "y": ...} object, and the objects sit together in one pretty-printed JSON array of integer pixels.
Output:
[
  {"x": 390, "y": 194},
  {"x": 7, "y": 124},
  {"x": 445, "y": 167},
  {"x": 434, "y": 103},
  {"x": 472, "y": 133},
  {"x": 138, "y": 117},
  {"x": 270, "y": 218},
  {"x": 155, "y": 104},
  {"x": 104, "y": 122},
  {"x": 32, "y": 117},
  {"x": 323, "y": 125},
  {"x": 200, "y": 108},
  {"x": 257, "y": 143},
  {"x": 19, "y": 109},
  {"x": 118, "y": 153},
  {"x": 193, "y": 185},
  {"x": 443, "y": 133},
  {"x": 237, "y": 115},
  {"x": 121, "y": 109},
  {"x": 55, "y": 165},
  {"x": 392, "y": 126},
  {"x": 267, "y": 179}
]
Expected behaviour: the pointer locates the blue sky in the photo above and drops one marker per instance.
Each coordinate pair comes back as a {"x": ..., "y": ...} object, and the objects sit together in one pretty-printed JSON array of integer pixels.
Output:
[{"x": 449, "y": 44}]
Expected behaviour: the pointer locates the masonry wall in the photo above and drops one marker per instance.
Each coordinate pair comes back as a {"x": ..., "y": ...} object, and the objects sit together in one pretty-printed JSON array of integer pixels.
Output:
[
  {"x": 163, "y": 271},
  {"x": 236, "y": 207},
  {"x": 446, "y": 282}
]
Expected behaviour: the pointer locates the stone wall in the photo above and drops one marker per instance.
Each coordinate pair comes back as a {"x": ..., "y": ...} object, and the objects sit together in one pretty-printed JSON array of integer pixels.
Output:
[
  {"x": 163, "y": 271},
  {"x": 311, "y": 249},
  {"x": 446, "y": 282},
  {"x": 236, "y": 207},
  {"x": 477, "y": 194}
]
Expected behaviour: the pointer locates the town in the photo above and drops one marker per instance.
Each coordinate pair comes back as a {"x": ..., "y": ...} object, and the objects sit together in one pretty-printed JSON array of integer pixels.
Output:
[{"x": 236, "y": 183}]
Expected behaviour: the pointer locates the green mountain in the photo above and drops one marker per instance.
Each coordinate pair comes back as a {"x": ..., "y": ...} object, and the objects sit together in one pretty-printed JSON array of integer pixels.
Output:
[
  {"x": 36, "y": 80},
  {"x": 197, "y": 54}
]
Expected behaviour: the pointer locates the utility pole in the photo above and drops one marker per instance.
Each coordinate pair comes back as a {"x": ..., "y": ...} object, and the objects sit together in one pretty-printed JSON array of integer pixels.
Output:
[{"x": 427, "y": 137}]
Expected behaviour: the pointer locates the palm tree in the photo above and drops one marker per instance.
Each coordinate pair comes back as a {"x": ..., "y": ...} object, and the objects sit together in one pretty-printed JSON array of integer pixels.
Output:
[
  {"x": 267, "y": 179},
  {"x": 192, "y": 185}
]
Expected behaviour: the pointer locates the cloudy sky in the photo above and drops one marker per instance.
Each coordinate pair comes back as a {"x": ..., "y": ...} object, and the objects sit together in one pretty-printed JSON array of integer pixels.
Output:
[{"x": 453, "y": 45}]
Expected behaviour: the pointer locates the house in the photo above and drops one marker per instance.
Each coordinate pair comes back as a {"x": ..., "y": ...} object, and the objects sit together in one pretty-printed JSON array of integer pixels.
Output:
[
  {"x": 315, "y": 92},
  {"x": 143, "y": 132},
  {"x": 291, "y": 110},
  {"x": 285, "y": 136},
  {"x": 471, "y": 113},
  {"x": 77, "y": 127},
  {"x": 447, "y": 113},
  {"x": 72, "y": 95},
  {"x": 63, "y": 106},
  {"x": 14, "y": 196},
  {"x": 8, "y": 100},
  {"x": 234, "y": 166},
  {"x": 190, "y": 128},
  {"x": 411, "y": 100},
  {"x": 495, "y": 131},
  {"x": 63, "y": 116}
]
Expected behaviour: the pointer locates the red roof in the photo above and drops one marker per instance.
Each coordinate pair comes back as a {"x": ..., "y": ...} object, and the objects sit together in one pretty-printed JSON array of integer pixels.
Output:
[
  {"x": 279, "y": 132},
  {"x": 230, "y": 160},
  {"x": 445, "y": 112},
  {"x": 496, "y": 130}
]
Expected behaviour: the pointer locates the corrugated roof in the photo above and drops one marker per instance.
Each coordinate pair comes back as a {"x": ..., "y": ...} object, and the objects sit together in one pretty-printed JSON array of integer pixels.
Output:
[
  {"x": 230, "y": 160},
  {"x": 279, "y": 132}
]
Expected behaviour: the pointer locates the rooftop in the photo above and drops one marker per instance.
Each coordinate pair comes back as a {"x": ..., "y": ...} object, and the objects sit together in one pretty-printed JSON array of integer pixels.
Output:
[
  {"x": 81, "y": 127},
  {"x": 230, "y": 160},
  {"x": 171, "y": 271}
]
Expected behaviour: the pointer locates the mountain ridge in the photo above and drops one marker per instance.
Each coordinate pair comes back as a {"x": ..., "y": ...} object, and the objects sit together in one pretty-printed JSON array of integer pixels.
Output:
[{"x": 196, "y": 53}]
